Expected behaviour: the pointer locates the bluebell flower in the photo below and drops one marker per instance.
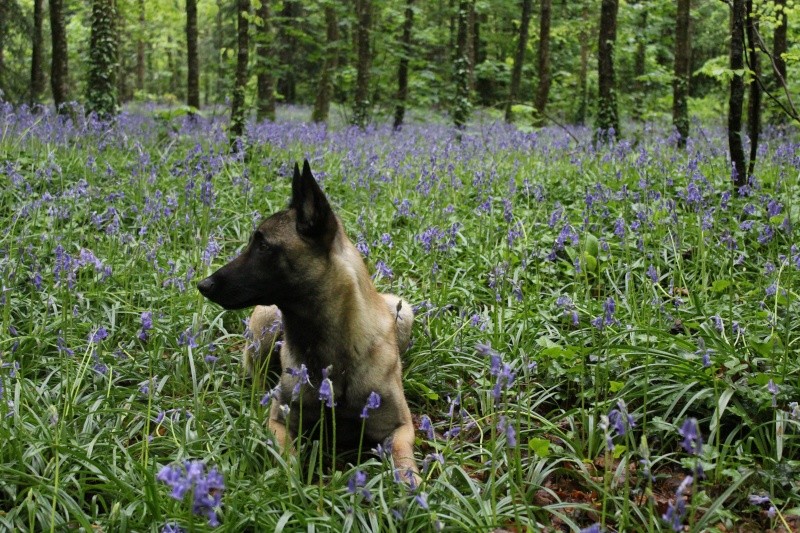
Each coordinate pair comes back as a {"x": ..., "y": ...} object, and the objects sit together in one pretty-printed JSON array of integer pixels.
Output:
[
  {"x": 594, "y": 528},
  {"x": 206, "y": 487},
  {"x": 507, "y": 428},
  {"x": 98, "y": 335},
  {"x": 373, "y": 402},
  {"x": 302, "y": 379},
  {"x": 356, "y": 485},
  {"x": 326, "y": 388},
  {"x": 426, "y": 426},
  {"x": 421, "y": 499},
  {"x": 676, "y": 511},
  {"x": 692, "y": 439}
]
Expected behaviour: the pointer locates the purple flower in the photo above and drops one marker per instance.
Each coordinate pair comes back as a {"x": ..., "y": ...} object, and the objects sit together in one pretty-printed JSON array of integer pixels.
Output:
[
  {"x": 425, "y": 425},
  {"x": 172, "y": 527},
  {"x": 692, "y": 440},
  {"x": 594, "y": 528},
  {"x": 619, "y": 228},
  {"x": 383, "y": 270},
  {"x": 756, "y": 499},
  {"x": 357, "y": 483},
  {"x": 326, "y": 389},
  {"x": 652, "y": 273},
  {"x": 422, "y": 500},
  {"x": 507, "y": 428},
  {"x": 773, "y": 389},
  {"x": 373, "y": 402},
  {"x": 302, "y": 379},
  {"x": 676, "y": 512},
  {"x": 147, "y": 325},
  {"x": 206, "y": 487},
  {"x": 98, "y": 335}
]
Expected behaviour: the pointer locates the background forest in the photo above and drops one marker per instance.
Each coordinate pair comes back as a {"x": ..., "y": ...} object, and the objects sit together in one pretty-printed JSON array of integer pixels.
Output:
[{"x": 539, "y": 57}]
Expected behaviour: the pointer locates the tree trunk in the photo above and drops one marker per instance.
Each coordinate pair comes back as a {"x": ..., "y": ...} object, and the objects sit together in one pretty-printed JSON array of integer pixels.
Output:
[
  {"x": 461, "y": 107},
  {"x": 471, "y": 43},
  {"x": 140, "y": 48},
  {"x": 583, "y": 74},
  {"x": 402, "y": 68},
  {"x": 519, "y": 59},
  {"x": 607, "y": 119},
  {"x": 59, "y": 74},
  {"x": 287, "y": 83},
  {"x": 265, "y": 82},
  {"x": 101, "y": 95},
  {"x": 219, "y": 43},
  {"x": 362, "y": 104},
  {"x": 322, "y": 104},
  {"x": 192, "y": 61},
  {"x": 37, "y": 52},
  {"x": 543, "y": 89},
  {"x": 240, "y": 83},
  {"x": 640, "y": 63},
  {"x": 738, "y": 172},
  {"x": 754, "y": 100},
  {"x": 779, "y": 46},
  {"x": 683, "y": 71}
]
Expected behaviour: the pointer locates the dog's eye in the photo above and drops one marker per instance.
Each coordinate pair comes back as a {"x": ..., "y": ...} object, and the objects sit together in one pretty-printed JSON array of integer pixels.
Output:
[{"x": 264, "y": 246}]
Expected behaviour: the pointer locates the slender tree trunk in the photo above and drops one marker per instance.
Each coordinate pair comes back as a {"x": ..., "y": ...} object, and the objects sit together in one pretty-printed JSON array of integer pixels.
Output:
[
  {"x": 640, "y": 64},
  {"x": 683, "y": 71},
  {"x": 607, "y": 118},
  {"x": 754, "y": 100},
  {"x": 583, "y": 74},
  {"x": 287, "y": 83},
  {"x": 735, "y": 102},
  {"x": 519, "y": 59},
  {"x": 779, "y": 46},
  {"x": 102, "y": 86},
  {"x": 59, "y": 74},
  {"x": 484, "y": 85},
  {"x": 37, "y": 53},
  {"x": 362, "y": 105},
  {"x": 219, "y": 43},
  {"x": 240, "y": 83},
  {"x": 3, "y": 29},
  {"x": 462, "y": 104},
  {"x": 543, "y": 89},
  {"x": 322, "y": 103},
  {"x": 471, "y": 43},
  {"x": 402, "y": 68},
  {"x": 192, "y": 59},
  {"x": 265, "y": 81},
  {"x": 140, "y": 47}
]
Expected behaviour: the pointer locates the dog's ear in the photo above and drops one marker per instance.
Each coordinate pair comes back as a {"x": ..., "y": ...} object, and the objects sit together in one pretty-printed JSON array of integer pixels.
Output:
[{"x": 315, "y": 218}]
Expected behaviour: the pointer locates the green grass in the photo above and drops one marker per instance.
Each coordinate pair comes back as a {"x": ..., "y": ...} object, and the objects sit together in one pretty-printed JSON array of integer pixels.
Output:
[{"x": 83, "y": 438}]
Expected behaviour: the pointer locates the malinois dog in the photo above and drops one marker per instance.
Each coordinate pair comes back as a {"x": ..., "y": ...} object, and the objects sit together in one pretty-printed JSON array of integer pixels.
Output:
[{"x": 300, "y": 261}]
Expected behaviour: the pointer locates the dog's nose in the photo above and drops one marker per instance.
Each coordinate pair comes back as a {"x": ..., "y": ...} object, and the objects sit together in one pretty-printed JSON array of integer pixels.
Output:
[{"x": 205, "y": 286}]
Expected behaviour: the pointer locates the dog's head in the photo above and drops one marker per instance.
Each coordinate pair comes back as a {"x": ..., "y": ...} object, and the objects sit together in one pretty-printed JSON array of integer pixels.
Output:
[{"x": 286, "y": 255}]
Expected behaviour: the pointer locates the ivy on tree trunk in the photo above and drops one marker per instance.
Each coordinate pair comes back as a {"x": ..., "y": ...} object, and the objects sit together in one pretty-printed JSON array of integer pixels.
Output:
[
  {"x": 607, "y": 119},
  {"x": 101, "y": 94},
  {"x": 736, "y": 100},
  {"x": 240, "y": 83}
]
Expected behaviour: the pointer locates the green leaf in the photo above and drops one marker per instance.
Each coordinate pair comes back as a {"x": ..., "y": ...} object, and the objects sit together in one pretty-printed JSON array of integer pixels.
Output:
[
  {"x": 721, "y": 285},
  {"x": 616, "y": 386},
  {"x": 619, "y": 449},
  {"x": 540, "y": 447}
]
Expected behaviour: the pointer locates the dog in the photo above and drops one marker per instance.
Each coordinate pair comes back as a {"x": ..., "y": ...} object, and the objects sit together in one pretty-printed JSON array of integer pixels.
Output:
[{"x": 300, "y": 268}]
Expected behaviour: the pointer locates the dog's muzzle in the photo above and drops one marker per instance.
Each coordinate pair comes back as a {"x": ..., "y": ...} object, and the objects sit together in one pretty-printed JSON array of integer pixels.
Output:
[{"x": 206, "y": 287}]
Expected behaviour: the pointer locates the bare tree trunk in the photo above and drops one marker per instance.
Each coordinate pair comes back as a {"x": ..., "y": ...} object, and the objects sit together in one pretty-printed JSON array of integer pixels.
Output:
[
  {"x": 4, "y": 13},
  {"x": 59, "y": 74},
  {"x": 287, "y": 83},
  {"x": 219, "y": 42},
  {"x": 738, "y": 172},
  {"x": 779, "y": 46},
  {"x": 192, "y": 59},
  {"x": 462, "y": 104},
  {"x": 640, "y": 63},
  {"x": 362, "y": 105},
  {"x": 607, "y": 118},
  {"x": 140, "y": 48},
  {"x": 754, "y": 100},
  {"x": 240, "y": 83},
  {"x": 37, "y": 52},
  {"x": 471, "y": 43},
  {"x": 101, "y": 95},
  {"x": 583, "y": 74},
  {"x": 402, "y": 69},
  {"x": 683, "y": 71},
  {"x": 322, "y": 103},
  {"x": 265, "y": 81},
  {"x": 519, "y": 59},
  {"x": 543, "y": 89}
]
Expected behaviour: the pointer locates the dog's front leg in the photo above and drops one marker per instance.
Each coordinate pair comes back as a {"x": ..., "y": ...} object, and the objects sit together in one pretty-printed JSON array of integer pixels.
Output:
[
  {"x": 278, "y": 428},
  {"x": 403, "y": 453}
]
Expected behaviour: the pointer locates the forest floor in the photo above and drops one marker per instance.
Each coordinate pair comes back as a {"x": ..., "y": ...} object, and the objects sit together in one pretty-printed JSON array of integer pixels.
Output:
[{"x": 606, "y": 336}]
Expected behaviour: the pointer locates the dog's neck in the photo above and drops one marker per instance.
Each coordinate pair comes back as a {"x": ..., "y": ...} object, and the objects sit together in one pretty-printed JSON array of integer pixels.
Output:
[{"x": 332, "y": 323}]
